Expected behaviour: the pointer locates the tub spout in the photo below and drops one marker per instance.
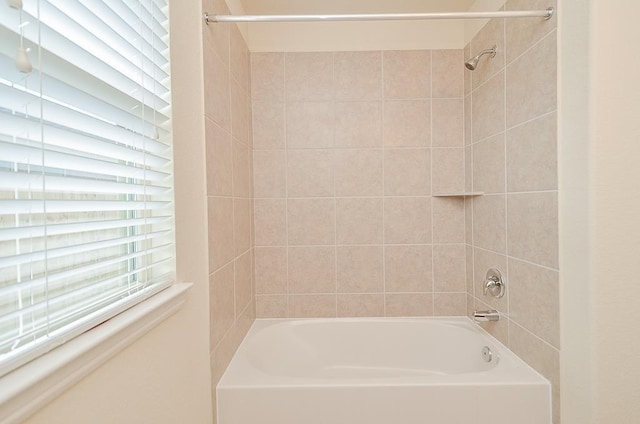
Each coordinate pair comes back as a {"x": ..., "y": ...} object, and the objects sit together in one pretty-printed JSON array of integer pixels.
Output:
[{"x": 484, "y": 316}]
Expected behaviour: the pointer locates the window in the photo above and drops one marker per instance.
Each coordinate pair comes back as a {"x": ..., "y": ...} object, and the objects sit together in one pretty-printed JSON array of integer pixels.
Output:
[{"x": 86, "y": 201}]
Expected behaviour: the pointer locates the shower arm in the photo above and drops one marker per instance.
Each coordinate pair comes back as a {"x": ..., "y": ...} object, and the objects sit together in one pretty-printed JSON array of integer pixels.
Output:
[{"x": 546, "y": 14}]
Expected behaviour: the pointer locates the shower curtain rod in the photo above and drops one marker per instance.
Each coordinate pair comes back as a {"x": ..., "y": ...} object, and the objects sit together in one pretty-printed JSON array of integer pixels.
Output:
[{"x": 547, "y": 14}]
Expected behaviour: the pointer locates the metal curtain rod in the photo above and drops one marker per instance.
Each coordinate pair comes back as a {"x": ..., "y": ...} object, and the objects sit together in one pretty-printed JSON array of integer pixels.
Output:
[{"x": 547, "y": 14}]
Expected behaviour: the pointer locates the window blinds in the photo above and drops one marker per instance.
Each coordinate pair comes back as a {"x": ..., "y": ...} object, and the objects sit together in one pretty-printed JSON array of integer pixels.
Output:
[{"x": 86, "y": 227}]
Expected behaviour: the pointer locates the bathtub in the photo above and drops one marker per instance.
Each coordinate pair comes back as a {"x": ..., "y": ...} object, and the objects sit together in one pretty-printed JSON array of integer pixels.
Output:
[{"x": 378, "y": 370}]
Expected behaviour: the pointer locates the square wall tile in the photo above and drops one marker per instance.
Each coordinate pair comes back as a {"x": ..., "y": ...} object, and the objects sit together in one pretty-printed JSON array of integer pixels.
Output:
[
  {"x": 489, "y": 222},
  {"x": 533, "y": 227},
  {"x": 488, "y": 108},
  {"x": 358, "y": 75},
  {"x": 268, "y": 125},
  {"x": 408, "y": 269},
  {"x": 468, "y": 168},
  {"x": 360, "y": 269},
  {"x": 483, "y": 261},
  {"x": 449, "y": 304},
  {"x": 407, "y": 172},
  {"x": 447, "y": 170},
  {"x": 360, "y": 305},
  {"x": 448, "y": 122},
  {"x": 358, "y": 124},
  {"x": 269, "y": 173},
  {"x": 449, "y": 262},
  {"x": 219, "y": 160},
  {"x": 312, "y": 269},
  {"x": 241, "y": 225},
  {"x": 243, "y": 289},
  {"x": 489, "y": 165},
  {"x": 448, "y": 220},
  {"x": 267, "y": 77},
  {"x": 221, "y": 301},
  {"x": 271, "y": 270},
  {"x": 407, "y": 220},
  {"x": 309, "y": 173},
  {"x": 469, "y": 269},
  {"x": 468, "y": 139},
  {"x": 407, "y": 123},
  {"x": 241, "y": 171},
  {"x": 409, "y": 305},
  {"x": 221, "y": 250},
  {"x": 310, "y": 125},
  {"x": 312, "y": 306},
  {"x": 240, "y": 112},
  {"x": 217, "y": 101},
  {"x": 358, "y": 172},
  {"x": 270, "y": 220},
  {"x": 407, "y": 74},
  {"x": 359, "y": 221},
  {"x": 239, "y": 54},
  {"x": 311, "y": 221},
  {"x": 448, "y": 73},
  {"x": 523, "y": 33},
  {"x": 272, "y": 306},
  {"x": 309, "y": 76}
]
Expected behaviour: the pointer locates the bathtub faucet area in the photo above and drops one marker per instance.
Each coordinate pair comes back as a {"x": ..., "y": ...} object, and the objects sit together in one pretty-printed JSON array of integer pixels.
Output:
[{"x": 484, "y": 316}]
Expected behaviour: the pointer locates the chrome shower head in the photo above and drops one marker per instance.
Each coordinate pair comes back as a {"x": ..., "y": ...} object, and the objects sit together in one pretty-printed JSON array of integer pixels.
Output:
[{"x": 472, "y": 63}]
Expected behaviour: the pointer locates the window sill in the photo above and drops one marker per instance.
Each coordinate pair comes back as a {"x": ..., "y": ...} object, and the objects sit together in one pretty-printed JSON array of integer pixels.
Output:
[{"x": 30, "y": 387}]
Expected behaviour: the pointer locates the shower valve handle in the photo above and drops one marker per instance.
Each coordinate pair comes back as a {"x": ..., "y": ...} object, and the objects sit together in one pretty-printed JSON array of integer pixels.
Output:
[{"x": 494, "y": 284}]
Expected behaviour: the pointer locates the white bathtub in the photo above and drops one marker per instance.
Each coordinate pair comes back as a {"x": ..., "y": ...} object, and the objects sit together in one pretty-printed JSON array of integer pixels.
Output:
[{"x": 378, "y": 370}]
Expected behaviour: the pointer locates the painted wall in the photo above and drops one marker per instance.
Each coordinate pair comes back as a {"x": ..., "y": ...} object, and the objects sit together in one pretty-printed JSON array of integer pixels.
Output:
[
  {"x": 164, "y": 377},
  {"x": 511, "y": 156}
]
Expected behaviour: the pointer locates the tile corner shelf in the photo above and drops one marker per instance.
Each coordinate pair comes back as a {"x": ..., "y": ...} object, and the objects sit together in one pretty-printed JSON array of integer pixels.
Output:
[{"x": 461, "y": 194}]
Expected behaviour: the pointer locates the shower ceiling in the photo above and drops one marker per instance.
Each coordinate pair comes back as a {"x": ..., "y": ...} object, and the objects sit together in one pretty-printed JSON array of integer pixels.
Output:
[{"x": 354, "y": 6}]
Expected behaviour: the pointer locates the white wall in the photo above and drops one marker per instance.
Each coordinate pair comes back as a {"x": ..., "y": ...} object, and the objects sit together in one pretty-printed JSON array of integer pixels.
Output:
[
  {"x": 164, "y": 377},
  {"x": 600, "y": 210}
]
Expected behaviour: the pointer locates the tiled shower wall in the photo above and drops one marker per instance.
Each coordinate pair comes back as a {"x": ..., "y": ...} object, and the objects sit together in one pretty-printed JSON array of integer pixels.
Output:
[
  {"x": 349, "y": 150},
  {"x": 229, "y": 189},
  {"x": 511, "y": 156}
]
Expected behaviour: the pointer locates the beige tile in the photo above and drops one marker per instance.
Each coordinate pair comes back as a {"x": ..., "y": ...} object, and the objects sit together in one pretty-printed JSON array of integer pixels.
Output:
[
  {"x": 217, "y": 36},
  {"x": 447, "y": 170},
  {"x": 523, "y": 33},
  {"x": 358, "y": 75},
  {"x": 468, "y": 220},
  {"x": 468, "y": 168},
  {"x": 448, "y": 220},
  {"x": 408, "y": 305},
  {"x": 489, "y": 222},
  {"x": 487, "y": 108},
  {"x": 489, "y": 165},
  {"x": 269, "y": 173},
  {"x": 309, "y": 76},
  {"x": 360, "y": 269},
  {"x": 532, "y": 155},
  {"x": 408, "y": 269},
  {"x": 312, "y": 306},
  {"x": 359, "y": 221},
  {"x": 358, "y": 172},
  {"x": 219, "y": 160},
  {"x": 272, "y": 306},
  {"x": 268, "y": 125},
  {"x": 492, "y": 34},
  {"x": 407, "y": 172},
  {"x": 241, "y": 225},
  {"x": 483, "y": 262},
  {"x": 311, "y": 221},
  {"x": 221, "y": 249},
  {"x": 309, "y": 173},
  {"x": 544, "y": 358},
  {"x": 358, "y": 124},
  {"x": 221, "y": 301},
  {"x": 448, "y": 73},
  {"x": 240, "y": 112},
  {"x": 498, "y": 329},
  {"x": 448, "y": 122},
  {"x": 239, "y": 54},
  {"x": 267, "y": 77},
  {"x": 532, "y": 82},
  {"x": 407, "y": 74},
  {"x": 360, "y": 305},
  {"x": 241, "y": 171},
  {"x": 467, "y": 73},
  {"x": 533, "y": 227},
  {"x": 310, "y": 125},
  {"x": 469, "y": 269},
  {"x": 449, "y": 304},
  {"x": 468, "y": 139},
  {"x": 534, "y": 300},
  {"x": 312, "y": 270},
  {"x": 449, "y": 262},
  {"x": 407, "y": 220},
  {"x": 243, "y": 289},
  {"x": 217, "y": 99},
  {"x": 271, "y": 270},
  {"x": 270, "y": 220},
  {"x": 407, "y": 123}
]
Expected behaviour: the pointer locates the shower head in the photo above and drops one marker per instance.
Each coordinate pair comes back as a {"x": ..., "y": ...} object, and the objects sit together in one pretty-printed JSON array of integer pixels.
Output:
[{"x": 473, "y": 62}]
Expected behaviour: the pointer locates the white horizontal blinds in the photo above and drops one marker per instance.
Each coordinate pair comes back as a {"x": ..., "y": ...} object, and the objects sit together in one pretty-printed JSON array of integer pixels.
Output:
[{"x": 86, "y": 200}]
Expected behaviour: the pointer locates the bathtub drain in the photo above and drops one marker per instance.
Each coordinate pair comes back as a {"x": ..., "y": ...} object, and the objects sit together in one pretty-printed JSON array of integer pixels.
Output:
[{"x": 487, "y": 355}]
